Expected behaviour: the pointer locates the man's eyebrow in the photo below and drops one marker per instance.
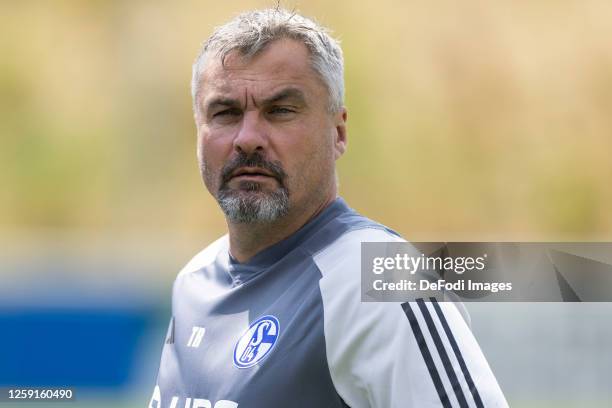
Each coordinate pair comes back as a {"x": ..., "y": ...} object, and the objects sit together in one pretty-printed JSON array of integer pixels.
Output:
[
  {"x": 287, "y": 93},
  {"x": 221, "y": 101}
]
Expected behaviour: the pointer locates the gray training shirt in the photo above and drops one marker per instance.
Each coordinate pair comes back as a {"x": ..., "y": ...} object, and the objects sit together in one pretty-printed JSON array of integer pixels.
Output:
[{"x": 288, "y": 329}]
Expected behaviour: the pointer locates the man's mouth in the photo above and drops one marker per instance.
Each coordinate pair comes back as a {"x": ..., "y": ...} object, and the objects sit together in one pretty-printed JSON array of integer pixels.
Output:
[{"x": 251, "y": 173}]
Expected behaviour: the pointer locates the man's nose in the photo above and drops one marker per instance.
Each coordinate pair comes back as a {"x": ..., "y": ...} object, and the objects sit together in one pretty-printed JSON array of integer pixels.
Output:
[{"x": 252, "y": 135}]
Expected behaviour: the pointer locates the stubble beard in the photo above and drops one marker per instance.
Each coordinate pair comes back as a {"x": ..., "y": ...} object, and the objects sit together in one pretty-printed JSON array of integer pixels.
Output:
[{"x": 250, "y": 204}]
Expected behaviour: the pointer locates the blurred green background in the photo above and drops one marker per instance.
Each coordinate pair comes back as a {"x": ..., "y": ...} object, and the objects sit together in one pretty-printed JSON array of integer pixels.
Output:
[{"x": 468, "y": 120}]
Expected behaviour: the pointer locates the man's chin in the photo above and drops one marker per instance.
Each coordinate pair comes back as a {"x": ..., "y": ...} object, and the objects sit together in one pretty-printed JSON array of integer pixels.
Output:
[{"x": 251, "y": 206}]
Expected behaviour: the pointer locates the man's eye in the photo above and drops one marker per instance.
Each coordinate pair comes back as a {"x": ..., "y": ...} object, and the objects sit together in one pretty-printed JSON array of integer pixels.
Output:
[
  {"x": 281, "y": 110},
  {"x": 226, "y": 112}
]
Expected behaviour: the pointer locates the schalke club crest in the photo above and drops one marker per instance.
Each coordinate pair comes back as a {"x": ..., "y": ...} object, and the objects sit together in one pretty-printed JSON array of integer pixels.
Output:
[{"x": 257, "y": 342}]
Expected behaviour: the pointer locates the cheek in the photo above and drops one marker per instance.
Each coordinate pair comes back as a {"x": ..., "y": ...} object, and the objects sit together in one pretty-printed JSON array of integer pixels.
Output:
[
  {"x": 211, "y": 154},
  {"x": 311, "y": 161}
]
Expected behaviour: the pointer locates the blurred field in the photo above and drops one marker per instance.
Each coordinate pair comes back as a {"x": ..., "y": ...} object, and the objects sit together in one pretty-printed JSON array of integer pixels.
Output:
[{"x": 468, "y": 120}]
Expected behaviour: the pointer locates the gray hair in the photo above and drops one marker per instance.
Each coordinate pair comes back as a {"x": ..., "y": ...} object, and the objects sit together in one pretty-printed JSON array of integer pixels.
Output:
[{"x": 251, "y": 32}]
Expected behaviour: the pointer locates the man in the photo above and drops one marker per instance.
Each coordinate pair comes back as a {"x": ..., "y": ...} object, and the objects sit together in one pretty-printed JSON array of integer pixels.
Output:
[{"x": 270, "y": 314}]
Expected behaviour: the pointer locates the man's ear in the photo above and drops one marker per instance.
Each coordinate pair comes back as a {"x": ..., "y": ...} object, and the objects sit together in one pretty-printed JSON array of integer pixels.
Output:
[{"x": 340, "y": 134}]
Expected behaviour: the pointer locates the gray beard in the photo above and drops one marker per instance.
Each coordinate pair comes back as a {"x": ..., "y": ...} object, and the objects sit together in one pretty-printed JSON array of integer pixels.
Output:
[{"x": 248, "y": 207}]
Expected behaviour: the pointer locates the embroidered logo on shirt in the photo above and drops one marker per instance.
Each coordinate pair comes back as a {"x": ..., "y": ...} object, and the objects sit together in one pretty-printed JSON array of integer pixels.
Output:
[
  {"x": 257, "y": 342},
  {"x": 197, "y": 333}
]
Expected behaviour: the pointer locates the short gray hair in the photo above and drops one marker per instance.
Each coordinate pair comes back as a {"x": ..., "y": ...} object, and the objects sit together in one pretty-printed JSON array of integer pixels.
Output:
[{"x": 251, "y": 32}]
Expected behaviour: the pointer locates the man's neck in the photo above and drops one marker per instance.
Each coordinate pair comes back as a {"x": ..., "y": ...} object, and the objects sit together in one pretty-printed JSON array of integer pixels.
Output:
[{"x": 247, "y": 240}]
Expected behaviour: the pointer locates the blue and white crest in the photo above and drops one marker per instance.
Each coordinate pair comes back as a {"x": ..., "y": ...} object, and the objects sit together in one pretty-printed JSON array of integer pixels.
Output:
[{"x": 257, "y": 342}]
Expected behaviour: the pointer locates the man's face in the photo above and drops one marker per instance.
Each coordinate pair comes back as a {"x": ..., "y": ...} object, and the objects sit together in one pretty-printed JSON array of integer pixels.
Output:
[{"x": 267, "y": 143}]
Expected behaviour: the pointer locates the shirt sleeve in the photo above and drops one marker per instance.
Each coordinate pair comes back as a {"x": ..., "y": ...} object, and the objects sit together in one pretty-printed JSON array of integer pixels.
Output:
[{"x": 386, "y": 355}]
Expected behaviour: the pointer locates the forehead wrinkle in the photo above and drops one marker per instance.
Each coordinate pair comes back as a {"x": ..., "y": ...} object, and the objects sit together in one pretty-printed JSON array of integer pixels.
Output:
[
  {"x": 215, "y": 101},
  {"x": 288, "y": 92},
  {"x": 225, "y": 80},
  {"x": 246, "y": 98},
  {"x": 253, "y": 100}
]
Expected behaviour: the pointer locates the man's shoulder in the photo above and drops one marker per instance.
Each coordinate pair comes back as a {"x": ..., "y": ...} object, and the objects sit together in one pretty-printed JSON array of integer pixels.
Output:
[
  {"x": 345, "y": 250},
  {"x": 348, "y": 229},
  {"x": 365, "y": 233},
  {"x": 351, "y": 227},
  {"x": 206, "y": 256}
]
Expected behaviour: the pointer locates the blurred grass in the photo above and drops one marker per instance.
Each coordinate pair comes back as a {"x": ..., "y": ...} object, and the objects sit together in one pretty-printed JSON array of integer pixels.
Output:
[{"x": 471, "y": 120}]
